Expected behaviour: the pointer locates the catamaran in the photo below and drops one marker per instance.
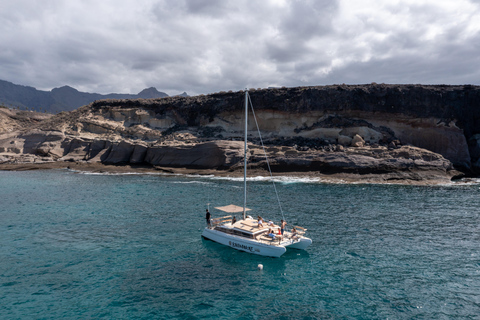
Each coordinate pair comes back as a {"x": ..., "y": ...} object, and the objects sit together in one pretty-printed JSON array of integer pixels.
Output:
[{"x": 249, "y": 234}]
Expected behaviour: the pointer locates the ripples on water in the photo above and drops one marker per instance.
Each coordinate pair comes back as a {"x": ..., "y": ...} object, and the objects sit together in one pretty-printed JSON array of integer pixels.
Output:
[{"x": 129, "y": 247}]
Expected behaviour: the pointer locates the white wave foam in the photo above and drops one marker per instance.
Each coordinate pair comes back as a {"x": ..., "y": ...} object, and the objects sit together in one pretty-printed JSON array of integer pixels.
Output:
[
  {"x": 276, "y": 179},
  {"x": 466, "y": 181},
  {"x": 192, "y": 182},
  {"x": 96, "y": 173}
]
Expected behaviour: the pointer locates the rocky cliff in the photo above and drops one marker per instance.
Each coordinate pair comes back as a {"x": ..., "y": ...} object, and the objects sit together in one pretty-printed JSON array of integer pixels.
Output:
[{"x": 399, "y": 131}]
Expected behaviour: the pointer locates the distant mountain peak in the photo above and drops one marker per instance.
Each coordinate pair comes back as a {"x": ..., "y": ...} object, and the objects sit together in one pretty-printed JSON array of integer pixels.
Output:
[
  {"x": 151, "y": 89},
  {"x": 65, "y": 89},
  {"x": 151, "y": 92}
]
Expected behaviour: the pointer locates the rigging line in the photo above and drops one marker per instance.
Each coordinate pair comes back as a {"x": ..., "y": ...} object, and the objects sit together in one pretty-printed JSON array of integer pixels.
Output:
[{"x": 266, "y": 158}]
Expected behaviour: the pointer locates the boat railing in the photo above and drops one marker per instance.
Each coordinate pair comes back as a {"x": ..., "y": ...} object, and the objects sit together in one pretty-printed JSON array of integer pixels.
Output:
[{"x": 219, "y": 221}]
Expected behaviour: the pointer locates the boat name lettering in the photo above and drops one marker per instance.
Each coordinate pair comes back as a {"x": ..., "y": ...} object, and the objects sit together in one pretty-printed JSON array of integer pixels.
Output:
[{"x": 241, "y": 246}]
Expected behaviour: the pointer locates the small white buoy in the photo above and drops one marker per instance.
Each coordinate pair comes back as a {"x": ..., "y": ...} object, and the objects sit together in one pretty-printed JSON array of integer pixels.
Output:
[{"x": 260, "y": 266}]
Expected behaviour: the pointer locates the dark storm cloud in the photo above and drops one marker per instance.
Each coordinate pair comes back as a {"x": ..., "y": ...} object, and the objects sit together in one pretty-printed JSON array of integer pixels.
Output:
[{"x": 203, "y": 46}]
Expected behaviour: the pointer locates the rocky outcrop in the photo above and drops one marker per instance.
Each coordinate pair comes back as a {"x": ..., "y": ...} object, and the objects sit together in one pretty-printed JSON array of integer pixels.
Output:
[
  {"x": 215, "y": 154},
  {"x": 357, "y": 141},
  {"x": 441, "y": 119},
  {"x": 402, "y": 163},
  {"x": 385, "y": 129}
]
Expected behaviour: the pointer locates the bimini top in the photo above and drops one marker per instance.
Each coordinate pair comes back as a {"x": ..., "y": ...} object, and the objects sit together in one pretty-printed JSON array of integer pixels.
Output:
[{"x": 232, "y": 208}]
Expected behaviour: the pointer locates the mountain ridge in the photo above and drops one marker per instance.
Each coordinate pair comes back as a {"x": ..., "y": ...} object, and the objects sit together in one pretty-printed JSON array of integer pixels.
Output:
[{"x": 64, "y": 98}]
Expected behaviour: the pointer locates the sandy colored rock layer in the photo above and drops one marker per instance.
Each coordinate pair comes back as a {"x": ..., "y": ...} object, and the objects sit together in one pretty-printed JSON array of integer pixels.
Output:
[{"x": 360, "y": 131}]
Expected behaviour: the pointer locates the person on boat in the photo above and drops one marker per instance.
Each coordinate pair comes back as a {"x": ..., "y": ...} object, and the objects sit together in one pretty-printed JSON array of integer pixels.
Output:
[
  {"x": 271, "y": 234},
  {"x": 294, "y": 233},
  {"x": 282, "y": 226},
  {"x": 260, "y": 222},
  {"x": 234, "y": 219},
  {"x": 208, "y": 216},
  {"x": 270, "y": 223}
]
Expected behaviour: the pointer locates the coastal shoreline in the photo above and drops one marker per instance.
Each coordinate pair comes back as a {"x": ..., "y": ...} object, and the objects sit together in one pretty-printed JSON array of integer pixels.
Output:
[{"x": 314, "y": 176}]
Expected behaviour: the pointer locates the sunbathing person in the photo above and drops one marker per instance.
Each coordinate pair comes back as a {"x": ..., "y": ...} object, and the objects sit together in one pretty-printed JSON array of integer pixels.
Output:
[
  {"x": 260, "y": 222},
  {"x": 271, "y": 234},
  {"x": 294, "y": 233}
]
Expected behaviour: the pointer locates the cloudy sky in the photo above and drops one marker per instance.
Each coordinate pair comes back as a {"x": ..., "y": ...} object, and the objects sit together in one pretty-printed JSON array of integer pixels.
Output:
[{"x": 205, "y": 46}]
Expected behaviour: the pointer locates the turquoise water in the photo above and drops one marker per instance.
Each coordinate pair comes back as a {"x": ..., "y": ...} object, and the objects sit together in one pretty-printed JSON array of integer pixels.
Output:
[{"x": 83, "y": 246}]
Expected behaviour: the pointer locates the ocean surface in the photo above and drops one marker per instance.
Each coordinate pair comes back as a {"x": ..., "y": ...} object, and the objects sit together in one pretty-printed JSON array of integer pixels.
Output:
[{"x": 97, "y": 246}]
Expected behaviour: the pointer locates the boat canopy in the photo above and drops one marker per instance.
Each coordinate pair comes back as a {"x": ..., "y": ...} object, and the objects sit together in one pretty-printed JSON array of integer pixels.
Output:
[{"x": 232, "y": 208}]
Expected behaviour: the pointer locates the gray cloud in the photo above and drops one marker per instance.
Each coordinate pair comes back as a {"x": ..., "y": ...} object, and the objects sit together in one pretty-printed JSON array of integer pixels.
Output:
[{"x": 204, "y": 46}]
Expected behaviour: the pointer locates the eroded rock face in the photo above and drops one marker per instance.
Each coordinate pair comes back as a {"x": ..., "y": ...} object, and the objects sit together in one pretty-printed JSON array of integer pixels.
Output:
[
  {"x": 314, "y": 128},
  {"x": 438, "y": 118},
  {"x": 208, "y": 155}
]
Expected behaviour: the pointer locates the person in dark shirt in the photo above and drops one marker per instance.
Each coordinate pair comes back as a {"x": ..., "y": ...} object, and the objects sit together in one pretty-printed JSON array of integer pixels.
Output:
[{"x": 207, "y": 216}]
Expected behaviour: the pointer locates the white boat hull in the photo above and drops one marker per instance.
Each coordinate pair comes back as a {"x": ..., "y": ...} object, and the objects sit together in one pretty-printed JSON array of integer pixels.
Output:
[
  {"x": 301, "y": 244},
  {"x": 243, "y": 244}
]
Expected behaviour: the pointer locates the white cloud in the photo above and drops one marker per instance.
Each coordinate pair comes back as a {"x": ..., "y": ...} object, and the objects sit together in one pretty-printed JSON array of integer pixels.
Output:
[{"x": 203, "y": 46}]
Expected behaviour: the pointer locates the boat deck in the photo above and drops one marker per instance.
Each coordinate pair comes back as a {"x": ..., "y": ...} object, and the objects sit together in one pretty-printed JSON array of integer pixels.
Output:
[
  {"x": 249, "y": 229},
  {"x": 251, "y": 225}
]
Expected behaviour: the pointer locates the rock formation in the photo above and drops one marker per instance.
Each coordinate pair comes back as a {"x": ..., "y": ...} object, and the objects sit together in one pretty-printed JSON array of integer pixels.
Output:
[{"x": 400, "y": 131}]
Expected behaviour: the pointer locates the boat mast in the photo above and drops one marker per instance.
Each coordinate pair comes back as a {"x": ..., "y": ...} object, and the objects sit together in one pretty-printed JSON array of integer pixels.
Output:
[{"x": 245, "y": 157}]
